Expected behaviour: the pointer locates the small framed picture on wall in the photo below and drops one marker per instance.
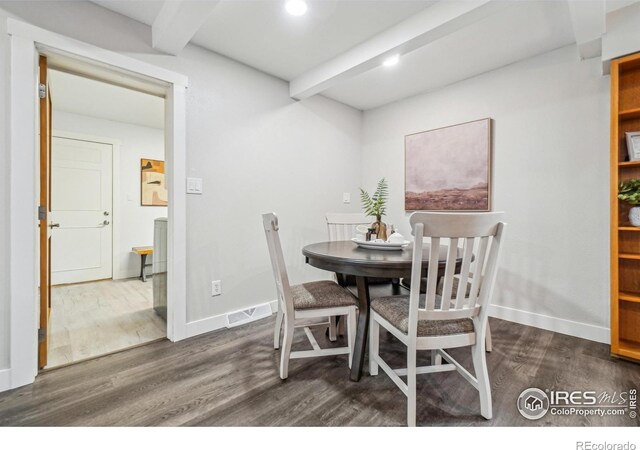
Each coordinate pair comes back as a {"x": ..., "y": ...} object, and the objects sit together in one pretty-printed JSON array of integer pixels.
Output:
[
  {"x": 153, "y": 190},
  {"x": 633, "y": 145}
]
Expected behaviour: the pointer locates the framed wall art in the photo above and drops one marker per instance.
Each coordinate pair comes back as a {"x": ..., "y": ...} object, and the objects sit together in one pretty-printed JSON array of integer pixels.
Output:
[
  {"x": 153, "y": 189},
  {"x": 449, "y": 169},
  {"x": 633, "y": 145}
]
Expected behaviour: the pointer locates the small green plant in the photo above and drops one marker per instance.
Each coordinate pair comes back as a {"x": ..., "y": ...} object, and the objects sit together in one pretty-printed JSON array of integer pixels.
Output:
[
  {"x": 375, "y": 205},
  {"x": 629, "y": 191}
]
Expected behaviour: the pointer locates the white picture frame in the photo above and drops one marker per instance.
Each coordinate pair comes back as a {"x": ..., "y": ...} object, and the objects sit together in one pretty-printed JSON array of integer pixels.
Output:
[{"x": 633, "y": 145}]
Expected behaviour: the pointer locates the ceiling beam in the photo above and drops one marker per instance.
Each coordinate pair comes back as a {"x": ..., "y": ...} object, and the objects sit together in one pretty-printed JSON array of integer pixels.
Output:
[
  {"x": 623, "y": 34},
  {"x": 589, "y": 24},
  {"x": 177, "y": 22},
  {"x": 614, "y": 5},
  {"x": 428, "y": 25}
]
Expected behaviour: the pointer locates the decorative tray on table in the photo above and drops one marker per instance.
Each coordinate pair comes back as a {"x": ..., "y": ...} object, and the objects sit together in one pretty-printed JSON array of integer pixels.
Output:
[{"x": 380, "y": 244}]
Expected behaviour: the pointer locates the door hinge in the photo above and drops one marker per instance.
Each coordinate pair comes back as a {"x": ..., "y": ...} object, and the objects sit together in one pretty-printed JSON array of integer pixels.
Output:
[
  {"x": 42, "y": 90},
  {"x": 42, "y": 334},
  {"x": 42, "y": 213}
]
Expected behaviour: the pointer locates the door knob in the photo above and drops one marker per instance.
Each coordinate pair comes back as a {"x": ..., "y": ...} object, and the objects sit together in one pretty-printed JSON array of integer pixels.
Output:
[
  {"x": 54, "y": 225},
  {"x": 106, "y": 213},
  {"x": 106, "y": 222}
]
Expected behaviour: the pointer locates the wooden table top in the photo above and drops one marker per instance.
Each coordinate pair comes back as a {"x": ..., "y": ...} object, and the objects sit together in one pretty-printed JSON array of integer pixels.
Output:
[{"x": 347, "y": 258}]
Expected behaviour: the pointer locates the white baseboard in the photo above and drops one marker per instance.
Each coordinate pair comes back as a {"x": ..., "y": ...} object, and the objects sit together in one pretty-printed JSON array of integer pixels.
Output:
[
  {"x": 564, "y": 326},
  {"x": 215, "y": 322},
  {"x": 5, "y": 379},
  {"x": 129, "y": 274}
]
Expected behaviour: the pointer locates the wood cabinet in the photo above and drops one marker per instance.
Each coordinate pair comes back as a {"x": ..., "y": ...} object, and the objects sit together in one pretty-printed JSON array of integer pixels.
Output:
[{"x": 625, "y": 239}]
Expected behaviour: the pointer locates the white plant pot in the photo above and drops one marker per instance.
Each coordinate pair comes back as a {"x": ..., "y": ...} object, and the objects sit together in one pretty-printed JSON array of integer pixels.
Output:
[{"x": 634, "y": 216}]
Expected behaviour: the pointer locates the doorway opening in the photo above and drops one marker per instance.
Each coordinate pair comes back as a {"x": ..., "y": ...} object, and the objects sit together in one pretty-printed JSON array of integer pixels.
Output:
[
  {"x": 29, "y": 299},
  {"x": 107, "y": 219}
]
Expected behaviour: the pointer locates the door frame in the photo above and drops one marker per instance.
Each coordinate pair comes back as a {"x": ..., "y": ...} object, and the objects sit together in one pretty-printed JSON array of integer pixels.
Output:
[
  {"x": 27, "y": 42},
  {"x": 115, "y": 183}
]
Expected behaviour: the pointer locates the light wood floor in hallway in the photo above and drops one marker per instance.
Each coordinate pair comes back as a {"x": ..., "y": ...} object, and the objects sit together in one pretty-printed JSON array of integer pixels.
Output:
[
  {"x": 93, "y": 319},
  {"x": 230, "y": 378}
]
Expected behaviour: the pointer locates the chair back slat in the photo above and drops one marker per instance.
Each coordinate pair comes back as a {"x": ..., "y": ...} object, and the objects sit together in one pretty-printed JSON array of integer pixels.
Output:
[
  {"x": 271, "y": 230},
  {"x": 481, "y": 230},
  {"x": 450, "y": 268},
  {"x": 463, "y": 276},
  {"x": 478, "y": 266},
  {"x": 342, "y": 226},
  {"x": 432, "y": 273}
]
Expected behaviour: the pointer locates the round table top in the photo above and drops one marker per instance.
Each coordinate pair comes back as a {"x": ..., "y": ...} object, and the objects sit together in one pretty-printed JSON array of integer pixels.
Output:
[{"x": 347, "y": 258}]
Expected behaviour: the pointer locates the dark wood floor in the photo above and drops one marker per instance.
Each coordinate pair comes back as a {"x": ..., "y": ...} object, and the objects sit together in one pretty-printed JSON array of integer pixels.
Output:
[{"x": 230, "y": 378}]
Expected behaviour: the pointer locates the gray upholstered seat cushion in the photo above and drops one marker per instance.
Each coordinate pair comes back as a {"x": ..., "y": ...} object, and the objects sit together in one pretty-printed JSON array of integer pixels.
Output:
[
  {"x": 321, "y": 294},
  {"x": 396, "y": 311}
]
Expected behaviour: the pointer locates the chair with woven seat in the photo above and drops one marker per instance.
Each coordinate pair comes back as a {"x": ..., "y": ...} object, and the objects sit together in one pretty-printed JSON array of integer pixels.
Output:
[
  {"x": 454, "y": 319},
  {"x": 301, "y": 305},
  {"x": 342, "y": 227},
  {"x": 454, "y": 288}
]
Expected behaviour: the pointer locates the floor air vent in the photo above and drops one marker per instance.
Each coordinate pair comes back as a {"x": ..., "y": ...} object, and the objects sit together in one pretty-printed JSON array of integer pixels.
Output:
[{"x": 248, "y": 315}]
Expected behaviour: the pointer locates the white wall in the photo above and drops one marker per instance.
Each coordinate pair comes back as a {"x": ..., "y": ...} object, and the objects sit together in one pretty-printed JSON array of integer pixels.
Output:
[
  {"x": 550, "y": 176},
  {"x": 255, "y": 148},
  {"x": 257, "y": 151},
  {"x": 4, "y": 200},
  {"x": 135, "y": 222}
]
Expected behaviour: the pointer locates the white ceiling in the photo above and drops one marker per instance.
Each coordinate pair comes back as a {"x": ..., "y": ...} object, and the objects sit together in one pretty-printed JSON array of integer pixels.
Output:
[
  {"x": 515, "y": 33},
  {"x": 259, "y": 33},
  {"x": 144, "y": 11},
  {"x": 78, "y": 95},
  {"x": 262, "y": 35}
]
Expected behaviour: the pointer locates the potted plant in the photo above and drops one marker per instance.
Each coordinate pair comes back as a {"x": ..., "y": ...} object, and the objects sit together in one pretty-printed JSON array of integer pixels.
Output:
[
  {"x": 629, "y": 191},
  {"x": 376, "y": 205}
]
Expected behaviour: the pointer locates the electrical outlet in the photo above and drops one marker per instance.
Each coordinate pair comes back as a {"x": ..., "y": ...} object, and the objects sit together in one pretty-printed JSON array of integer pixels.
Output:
[{"x": 216, "y": 288}]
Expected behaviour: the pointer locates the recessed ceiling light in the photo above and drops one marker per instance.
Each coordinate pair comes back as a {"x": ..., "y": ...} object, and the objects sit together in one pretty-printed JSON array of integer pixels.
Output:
[
  {"x": 391, "y": 61},
  {"x": 296, "y": 7}
]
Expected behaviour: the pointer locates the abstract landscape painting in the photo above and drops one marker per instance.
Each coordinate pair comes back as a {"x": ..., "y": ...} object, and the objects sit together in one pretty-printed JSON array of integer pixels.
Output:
[
  {"x": 448, "y": 169},
  {"x": 153, "y": 190}
]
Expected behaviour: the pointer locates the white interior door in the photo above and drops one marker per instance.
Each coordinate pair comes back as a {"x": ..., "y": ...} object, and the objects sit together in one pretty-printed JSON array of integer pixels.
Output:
[{"x": 81, "y": 179}]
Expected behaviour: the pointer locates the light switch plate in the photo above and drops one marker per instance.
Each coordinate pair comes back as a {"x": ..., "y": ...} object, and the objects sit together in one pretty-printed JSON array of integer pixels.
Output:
[
  {"x": 346, "y": 197},
  {"x": 194, "y": 185}
]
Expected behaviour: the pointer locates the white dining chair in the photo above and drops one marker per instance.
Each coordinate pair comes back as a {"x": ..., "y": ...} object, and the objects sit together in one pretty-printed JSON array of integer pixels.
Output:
[
  {"x": 342, "y": 226},
  {"x": 454, "y": 319},
  {"x": 300, "y": 306},
  {"x": 454, "y": 290}
]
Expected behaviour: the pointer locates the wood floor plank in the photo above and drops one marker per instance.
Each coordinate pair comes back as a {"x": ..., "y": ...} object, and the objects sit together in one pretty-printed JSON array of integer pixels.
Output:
[
  {"x": 92, "y": 319},
  {"x": 230, "y": 378}
]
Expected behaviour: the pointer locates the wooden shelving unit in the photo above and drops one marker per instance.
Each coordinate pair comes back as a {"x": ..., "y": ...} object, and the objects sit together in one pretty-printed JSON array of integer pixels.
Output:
[
  {"x": 629, "y": 164},
  {"x": 625, "y": 239},
  {"x": 629, "y": 114}
]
